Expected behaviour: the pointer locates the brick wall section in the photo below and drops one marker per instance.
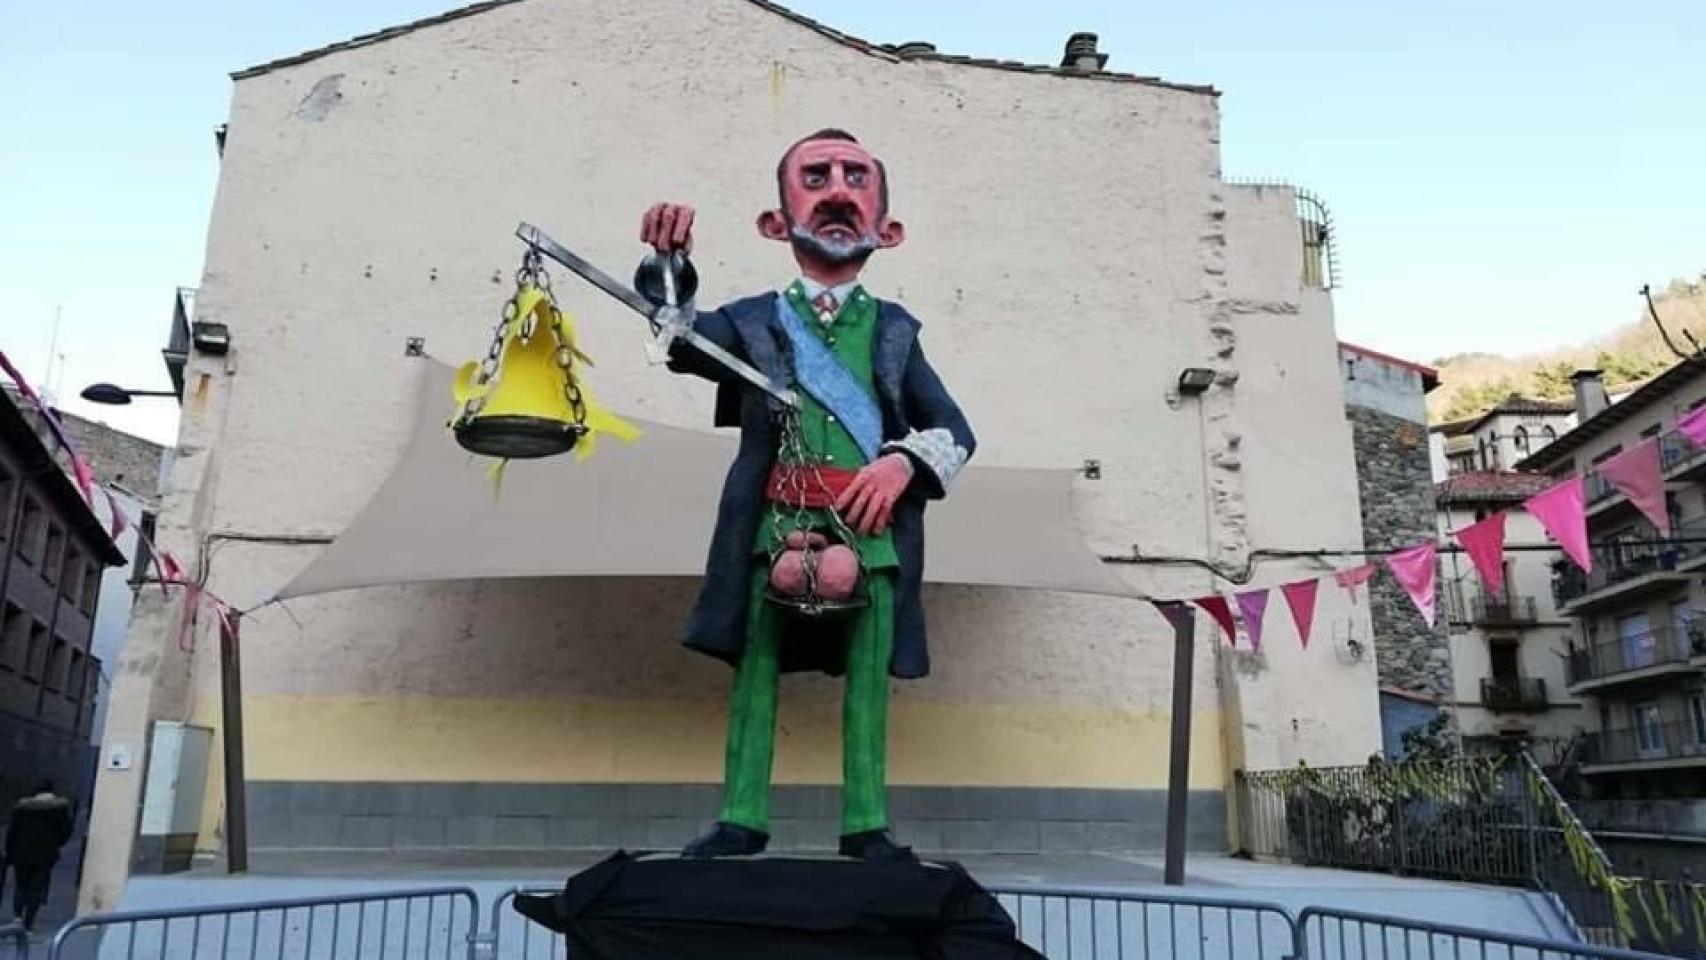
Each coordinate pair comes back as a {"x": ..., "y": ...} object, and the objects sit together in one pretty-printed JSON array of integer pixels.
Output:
[{"x": 1396, "y": 487}]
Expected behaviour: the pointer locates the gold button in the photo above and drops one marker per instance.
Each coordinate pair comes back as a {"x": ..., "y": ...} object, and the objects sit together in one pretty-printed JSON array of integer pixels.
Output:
[{"x": 830, "y": 418}]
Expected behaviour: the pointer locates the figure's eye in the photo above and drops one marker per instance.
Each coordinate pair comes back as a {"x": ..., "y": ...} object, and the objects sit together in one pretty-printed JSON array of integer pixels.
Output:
[
  {"x": 857, "y": 177},
  {"x": 815, "y": 179}
]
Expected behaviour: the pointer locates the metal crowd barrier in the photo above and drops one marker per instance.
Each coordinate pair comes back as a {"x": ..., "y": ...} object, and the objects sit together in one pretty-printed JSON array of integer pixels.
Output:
[
  {"x": 14, "y": 941},
  {"x": 1080, "y": 924},
  {"x": 1324, "y": 934},
  {"x": 427, "y": 924},
  {"x": 1062, "y": 923}
]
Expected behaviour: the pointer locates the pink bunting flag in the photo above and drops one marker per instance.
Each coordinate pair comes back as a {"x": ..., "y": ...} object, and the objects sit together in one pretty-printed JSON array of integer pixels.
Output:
[
  {"x": 116, "y": 523},
  {"x": 1222, "y": 614},
  {"x": 1636, "y": 474},
  {"x": 1300, "y": 597},
  {"x": 1415, "y": 569},
  {"x": 1485, "y": 543},
  {"x": 1252, "y": 605},
  {"x": 1559, "y": 510},
  {"x": 1354, "y": 577},
  {"x": 1693, "y": 426}
]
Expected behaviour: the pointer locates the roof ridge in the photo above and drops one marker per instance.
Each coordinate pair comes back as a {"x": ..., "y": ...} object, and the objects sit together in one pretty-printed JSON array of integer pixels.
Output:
[{"x": 887, "y": 52}]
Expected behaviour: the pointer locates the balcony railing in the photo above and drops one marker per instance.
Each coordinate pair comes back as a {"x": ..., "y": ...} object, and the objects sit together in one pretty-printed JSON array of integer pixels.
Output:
[
  {"x": 1596, "y": 488},
  {"x": 1655, "y": 647},
  {"x": 1617, "y": 562},
  {"x": 1668, "y": 740},
  {"x": 1513, "y": 694},
  {"x": 1513, "y": 608},
  {"x": 1676, "y": 450}
]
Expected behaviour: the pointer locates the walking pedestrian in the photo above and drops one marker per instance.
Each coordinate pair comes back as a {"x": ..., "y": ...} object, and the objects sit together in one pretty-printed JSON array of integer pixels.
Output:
[{"x": 41, "y": 824}]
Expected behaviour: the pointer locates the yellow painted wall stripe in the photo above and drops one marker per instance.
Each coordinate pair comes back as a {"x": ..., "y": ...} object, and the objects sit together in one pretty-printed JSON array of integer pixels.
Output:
[{"x": 317, "y": 738}]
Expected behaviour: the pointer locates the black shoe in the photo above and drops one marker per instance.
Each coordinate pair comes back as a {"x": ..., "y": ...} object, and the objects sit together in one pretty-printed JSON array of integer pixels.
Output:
[
  {"x": 875, "y": 846},
  {"x": 727, "y": 840}
]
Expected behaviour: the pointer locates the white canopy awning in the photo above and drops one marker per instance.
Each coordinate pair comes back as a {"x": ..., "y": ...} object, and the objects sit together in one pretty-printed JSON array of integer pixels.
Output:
[{"x": 646, "y": 509}]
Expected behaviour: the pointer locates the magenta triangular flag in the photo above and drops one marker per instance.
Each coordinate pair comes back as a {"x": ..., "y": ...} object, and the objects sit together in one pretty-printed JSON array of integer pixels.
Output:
[
  {"x": 1174, "y": 611},
  {"x": 1252, "y": 605},
  {"x": 1414, "y": 568},
  {"x": 1222, "y": 614},
  {"x": 1485, "y": 543},
  {"x": 1693, "y": 426},
  {"x": 1300, "y": 597},
  {"x": 1559, "y": 510},
  {"x": 1637, "y": 475},
  {"x": 1354, "y": 577}
]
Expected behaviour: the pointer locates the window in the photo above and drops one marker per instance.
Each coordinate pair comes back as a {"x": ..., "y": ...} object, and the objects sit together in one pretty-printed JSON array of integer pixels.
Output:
[
  {"x": 1636, "y": 639},
  {"x": 1697, "y": 716},
  {"x": 74, "y": 676},
  {"x": 53, "y": 677},
  {"x": 1681, "y": 621},
  {"x": 29, "y": 530},
  {"x": 71, "y": 575},
  {"x": 1504, "y": 661},
  {"x": 1548, "y": 434},
  {"x": 14, "y": 631},
  {"x": 92, "y": 576},
  {"x": 1649, "y": 727},
  {"x": 1651, "y": 431},
  {"x": 1520, "y": 435},
  {"x": 55, "y": 549},
  {"x": 8, "y": 483},
  {"x": 36, "y": 650}
]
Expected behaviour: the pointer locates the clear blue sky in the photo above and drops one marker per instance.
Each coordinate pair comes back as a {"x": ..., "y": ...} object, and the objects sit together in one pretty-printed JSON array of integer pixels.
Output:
[{"x": 1504, "y": 175}]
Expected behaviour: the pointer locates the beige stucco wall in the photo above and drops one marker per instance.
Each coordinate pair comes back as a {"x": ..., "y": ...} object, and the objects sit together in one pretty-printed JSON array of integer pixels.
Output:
[{"x": 1070, "y": 250}]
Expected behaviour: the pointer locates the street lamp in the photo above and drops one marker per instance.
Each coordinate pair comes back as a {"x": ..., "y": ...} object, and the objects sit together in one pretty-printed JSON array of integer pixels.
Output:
[{"x": 118, "y": 396}]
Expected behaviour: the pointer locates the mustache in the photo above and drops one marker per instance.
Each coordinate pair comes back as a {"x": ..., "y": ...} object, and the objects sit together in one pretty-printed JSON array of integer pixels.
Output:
[{"x": 840, "y": 214}]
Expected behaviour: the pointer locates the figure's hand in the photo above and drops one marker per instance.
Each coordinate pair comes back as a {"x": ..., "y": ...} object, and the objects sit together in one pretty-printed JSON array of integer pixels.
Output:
[
  {"x": 667, "y": 227},
  {"x": 868, "y": 502}
]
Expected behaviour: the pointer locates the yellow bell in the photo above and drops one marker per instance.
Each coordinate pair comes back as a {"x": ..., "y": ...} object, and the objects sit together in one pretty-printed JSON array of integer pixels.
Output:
[{"x": 530, "y": 401}]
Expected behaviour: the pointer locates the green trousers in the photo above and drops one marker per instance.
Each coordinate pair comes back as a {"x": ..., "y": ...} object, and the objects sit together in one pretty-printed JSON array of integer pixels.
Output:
[{"x": 864, "y": 712}]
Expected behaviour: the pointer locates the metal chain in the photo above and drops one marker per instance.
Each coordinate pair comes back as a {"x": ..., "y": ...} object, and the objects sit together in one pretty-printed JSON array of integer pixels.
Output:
[
  {"x": 801, "y": 473},
  {"x": 532, "y": 273}
]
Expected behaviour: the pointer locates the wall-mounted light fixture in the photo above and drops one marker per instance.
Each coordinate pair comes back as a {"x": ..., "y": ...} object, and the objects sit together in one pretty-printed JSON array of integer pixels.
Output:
[
  {"x": 1195, "y": 380},
  {"x": 211, "y": 338}
]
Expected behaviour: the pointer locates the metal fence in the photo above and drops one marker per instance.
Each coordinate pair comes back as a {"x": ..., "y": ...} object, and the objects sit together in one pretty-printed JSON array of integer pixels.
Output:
[
  {"x": 427, "y": 924},
  {"x": 1344, "y": 935},
  {"x": 1484, "y": 820},
  {"x": 1060, "y": 923},
  {"x": 1450, "y": 820},
  {"x": 14, "y": 942}
]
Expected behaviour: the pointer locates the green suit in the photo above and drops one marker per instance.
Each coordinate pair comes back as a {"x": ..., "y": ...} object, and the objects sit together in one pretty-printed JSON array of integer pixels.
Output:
[{"x": 869, "y": 634}]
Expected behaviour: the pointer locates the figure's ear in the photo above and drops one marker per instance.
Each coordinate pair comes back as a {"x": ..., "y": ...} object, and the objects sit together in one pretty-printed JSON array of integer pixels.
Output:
[
  {"x": 772, "y": 225},
  {"x": 891, "y": 233}
]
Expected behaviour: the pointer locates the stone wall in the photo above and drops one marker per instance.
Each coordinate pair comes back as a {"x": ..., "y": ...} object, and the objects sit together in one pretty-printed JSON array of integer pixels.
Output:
[{"x": 1396, "y": 487}]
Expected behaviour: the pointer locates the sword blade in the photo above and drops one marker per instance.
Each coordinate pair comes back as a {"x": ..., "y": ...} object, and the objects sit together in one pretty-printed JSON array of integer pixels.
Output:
[
  {"x": 535, "y": 237},
  {"x": 540, "y": 240}
]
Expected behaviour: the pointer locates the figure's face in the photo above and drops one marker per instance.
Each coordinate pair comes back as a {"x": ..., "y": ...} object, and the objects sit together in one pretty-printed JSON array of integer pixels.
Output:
[{"x": 833, "y": 205}]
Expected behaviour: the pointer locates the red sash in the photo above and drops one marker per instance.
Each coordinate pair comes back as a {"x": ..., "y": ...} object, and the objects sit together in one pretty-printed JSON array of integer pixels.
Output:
[{"x": 813, "y": 488}]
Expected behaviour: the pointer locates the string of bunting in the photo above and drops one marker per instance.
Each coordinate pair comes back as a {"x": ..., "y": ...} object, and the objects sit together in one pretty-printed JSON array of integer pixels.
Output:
[
  {"x": 167, "y": 571},
  {"x": 1561, "y": 509}
]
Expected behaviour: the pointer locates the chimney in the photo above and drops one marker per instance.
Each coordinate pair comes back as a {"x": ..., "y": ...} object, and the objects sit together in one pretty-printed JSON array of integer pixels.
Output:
[
  {"x": 1081, "y": 53},
  {"x": 1590, "y": 394},
  {"x": 915, "y": 48}
]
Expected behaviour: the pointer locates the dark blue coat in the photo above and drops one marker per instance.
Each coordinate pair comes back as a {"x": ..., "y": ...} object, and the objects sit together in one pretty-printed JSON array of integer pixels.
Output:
[{"x": 912, "y": 398}]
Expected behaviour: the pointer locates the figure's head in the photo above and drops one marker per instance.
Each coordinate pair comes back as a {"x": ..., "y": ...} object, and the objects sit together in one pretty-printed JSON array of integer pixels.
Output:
[{"x": 834, "y": 205}]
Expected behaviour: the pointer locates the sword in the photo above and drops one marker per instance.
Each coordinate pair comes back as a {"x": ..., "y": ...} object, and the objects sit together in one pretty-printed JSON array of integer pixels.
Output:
[{"x": 670, "y": 321}]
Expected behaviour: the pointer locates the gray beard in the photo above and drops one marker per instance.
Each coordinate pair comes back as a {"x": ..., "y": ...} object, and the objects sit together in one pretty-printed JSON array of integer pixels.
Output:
[{"x": 856, "y": 251}]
